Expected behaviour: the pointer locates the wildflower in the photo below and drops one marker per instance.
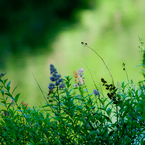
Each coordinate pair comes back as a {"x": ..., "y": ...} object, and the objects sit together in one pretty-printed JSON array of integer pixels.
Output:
[
  {"x": 76, "y": 74},
  {"x": 51, "y": 86},
  {"x": 12, "y": 102},
  {"x": 54, "y": 75},
  {"x": 81, "y": 71},
  {"x": 52, "y": 78},
  {"x": 61, "y": 86},
  {"x": 76, "y": 85},
  {"x": 81, "y": 81},
  {"x": 55, "y": 78},
  {"x": 96, "y": 92},
  {"x": 51, "y": 65},
  {"x": 59, "y": 76},
  {"x": 52, "y": 69},
  {"x": 25, "y": 104},
  {"x": 57, "y": 83},
  {"x": 60, "y": 80}
]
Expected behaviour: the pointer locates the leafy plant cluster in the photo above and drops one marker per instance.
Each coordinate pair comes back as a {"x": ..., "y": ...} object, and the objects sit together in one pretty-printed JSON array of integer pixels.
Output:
[{"x": 73, "y": 115}]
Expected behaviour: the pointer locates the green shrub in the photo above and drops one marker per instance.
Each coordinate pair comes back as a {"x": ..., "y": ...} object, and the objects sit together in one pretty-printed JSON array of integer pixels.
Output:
[{"x": 73, "y": 115}]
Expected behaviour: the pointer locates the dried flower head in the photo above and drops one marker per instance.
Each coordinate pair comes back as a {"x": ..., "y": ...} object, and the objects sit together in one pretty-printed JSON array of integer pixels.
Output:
[
  {"x": 82, "y": 43},
  {"x": 76, "y": 74}
]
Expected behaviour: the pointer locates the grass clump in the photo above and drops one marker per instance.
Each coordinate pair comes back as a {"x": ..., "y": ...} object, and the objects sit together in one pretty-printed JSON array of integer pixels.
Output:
[{"x": 73, "y": 115}]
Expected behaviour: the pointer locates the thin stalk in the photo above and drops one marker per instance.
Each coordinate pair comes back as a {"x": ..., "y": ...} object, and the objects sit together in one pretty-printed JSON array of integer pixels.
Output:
[
  {"x": 117, "y": 123},
  {"x": 58, "y": 101},
  {"x": 40, "y": 88},
  {"x": 103, "y": 62},
  {"x": 126, "y": 75},
  {"x": 91, "y": 75}
]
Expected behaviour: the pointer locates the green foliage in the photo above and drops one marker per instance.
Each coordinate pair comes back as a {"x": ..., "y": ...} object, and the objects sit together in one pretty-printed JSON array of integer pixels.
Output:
[
  {"x": 24, "y": 22},
  {"x": 72, "y": 115}
]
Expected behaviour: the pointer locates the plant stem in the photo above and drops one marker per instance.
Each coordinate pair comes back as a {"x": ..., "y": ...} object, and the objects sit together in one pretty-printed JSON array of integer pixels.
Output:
[
  {"x": 117, "y": 124},
  {"x": 103, "y": 62}
]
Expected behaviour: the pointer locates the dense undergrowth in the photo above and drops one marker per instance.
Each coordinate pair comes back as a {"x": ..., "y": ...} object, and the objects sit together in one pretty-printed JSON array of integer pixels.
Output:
[{"x": 73, "y": 115}]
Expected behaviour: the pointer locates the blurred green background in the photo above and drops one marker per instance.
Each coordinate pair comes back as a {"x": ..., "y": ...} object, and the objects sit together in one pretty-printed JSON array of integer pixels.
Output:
[{"x": 34, "y": 34}]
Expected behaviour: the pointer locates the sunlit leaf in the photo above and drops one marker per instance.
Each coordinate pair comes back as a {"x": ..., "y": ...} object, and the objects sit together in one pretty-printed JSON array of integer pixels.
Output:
[
  {"x": 14, "y": 90},
  {"x": 16, "y": 97},
  {"x": 8, "y": 84}
]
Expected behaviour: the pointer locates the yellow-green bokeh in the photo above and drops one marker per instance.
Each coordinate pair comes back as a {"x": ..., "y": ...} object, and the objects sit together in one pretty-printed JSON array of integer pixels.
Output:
[{"x": 111, "y": 29}]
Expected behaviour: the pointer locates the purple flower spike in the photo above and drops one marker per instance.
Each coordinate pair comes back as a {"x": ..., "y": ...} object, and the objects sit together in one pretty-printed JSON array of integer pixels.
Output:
[
  {"x": 96, "y": 92},
  {"x": 61, "y": 86},
  {"x": 57, "y": 83},
  {"x": 51, "y": 86},
  {"x": 51, "y": 65},
  {"x": 60, "y": 80},
  {"x": 52, "y": 78}
]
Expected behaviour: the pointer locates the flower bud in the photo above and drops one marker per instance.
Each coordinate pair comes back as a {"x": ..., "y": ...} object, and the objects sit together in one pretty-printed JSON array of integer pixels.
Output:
[{"x": 96, "y": 92}]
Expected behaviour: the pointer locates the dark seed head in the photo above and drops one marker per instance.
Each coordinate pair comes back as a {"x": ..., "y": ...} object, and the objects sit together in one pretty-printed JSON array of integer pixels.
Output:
[{"x": 102, "y": 80}]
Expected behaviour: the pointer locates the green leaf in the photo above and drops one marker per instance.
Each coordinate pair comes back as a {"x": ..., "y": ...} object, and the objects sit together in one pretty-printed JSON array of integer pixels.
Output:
[
  {"x": 14, "y": 90},
  {"x": 93, "y": 133},
  {"x": 2, "y": 91},
  {"x": 8, "y": 94},
  {"x": 107, "y": 105},
  {"x": 2, "y": 74},
  {"x": 5, "y": 81},
  {"x": 19, "y": 107},
  {"x": 108, "y": 111},
  {"x": 3, "y": 104},
  {"x": 107, "y": 118},
  {"x": 9, "y": 105},
  {"x": 6, "y": 98},
  {"x": 8, "y": 84},
  {"x": 16, "y": 97}
]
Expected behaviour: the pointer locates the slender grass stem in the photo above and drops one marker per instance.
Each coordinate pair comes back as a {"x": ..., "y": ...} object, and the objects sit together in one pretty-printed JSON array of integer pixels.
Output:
[
  {"x": 91, "y": 76},
  {"x": 103, "y": 62},
  {"x": 40, "y": 88}
]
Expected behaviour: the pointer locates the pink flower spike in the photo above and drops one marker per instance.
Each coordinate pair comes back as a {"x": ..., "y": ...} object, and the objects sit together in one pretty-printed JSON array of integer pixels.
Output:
[
  {"x": 81, "y": 70},
  {"x": 76, "y": 85}
]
